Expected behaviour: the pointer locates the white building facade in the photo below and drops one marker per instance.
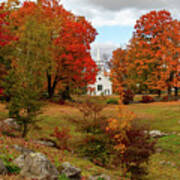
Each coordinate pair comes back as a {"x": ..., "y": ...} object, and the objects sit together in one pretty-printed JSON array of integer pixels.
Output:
[{"x": 103, "y": 84}]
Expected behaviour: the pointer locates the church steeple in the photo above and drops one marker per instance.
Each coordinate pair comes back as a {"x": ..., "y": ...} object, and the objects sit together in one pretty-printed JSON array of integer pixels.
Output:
[
  {"x": 98, "y": 55},
  {"x": 99, "y": 62}
]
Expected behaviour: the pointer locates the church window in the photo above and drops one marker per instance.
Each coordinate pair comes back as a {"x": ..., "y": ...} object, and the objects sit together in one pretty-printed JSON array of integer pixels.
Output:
[
  {"x": 100, "y": 78},
  {"x": 99, "y": 87}
]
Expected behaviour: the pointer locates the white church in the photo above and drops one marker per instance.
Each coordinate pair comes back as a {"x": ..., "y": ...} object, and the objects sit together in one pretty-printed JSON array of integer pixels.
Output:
[{"x": 103, "y": 84}]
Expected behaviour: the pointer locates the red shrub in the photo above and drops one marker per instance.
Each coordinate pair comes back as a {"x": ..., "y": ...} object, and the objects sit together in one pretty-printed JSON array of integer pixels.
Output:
[
  {"x": 62, "y": 137},
  {"x": 165, "y": 98},
  {"x": 128, "y": 96},
  {"x": 147, "y": 99},
  {"x": 1, "y": 91},
  {"x": 139, "y": 148}
]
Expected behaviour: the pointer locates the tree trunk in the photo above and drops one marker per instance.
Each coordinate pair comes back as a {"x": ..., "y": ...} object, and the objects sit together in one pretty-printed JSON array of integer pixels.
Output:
[
  {"x": 169, "y": 86},
  {"x": 65, "y": 95},
  {"x": 176, "y": 91},
  {"x": 50, "y": 93},
  {"x": 25, "y": 129},
  {"x": 51, "y": 88},
  {"x": 169, "y": 91},
  {"x": 159, "y": 93}
]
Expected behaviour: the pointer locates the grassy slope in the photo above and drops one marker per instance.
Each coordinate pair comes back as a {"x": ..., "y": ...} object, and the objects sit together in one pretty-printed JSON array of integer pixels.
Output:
[{"x": 162, "y": 116}]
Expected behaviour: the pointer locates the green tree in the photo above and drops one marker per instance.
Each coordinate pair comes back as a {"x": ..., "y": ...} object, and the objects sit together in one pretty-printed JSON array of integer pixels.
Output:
[{"x": 27, "y": 73}]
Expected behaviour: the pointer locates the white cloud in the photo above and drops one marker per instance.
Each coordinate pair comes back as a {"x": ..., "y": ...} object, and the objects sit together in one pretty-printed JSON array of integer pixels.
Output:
[
  {"x": 117, "y": 5},
  {"x": 118, "y": 12},
  {"x": 125, "y": 17}
]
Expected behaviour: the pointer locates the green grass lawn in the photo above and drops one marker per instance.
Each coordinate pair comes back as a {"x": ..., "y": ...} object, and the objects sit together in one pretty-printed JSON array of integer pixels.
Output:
[{"x": 164, "y": 165}]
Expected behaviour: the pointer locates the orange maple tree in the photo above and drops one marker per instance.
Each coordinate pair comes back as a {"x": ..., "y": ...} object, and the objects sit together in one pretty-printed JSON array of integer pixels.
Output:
[
  {"x": 154, "y": 50},
  {"x": 118, "y": 74},
  {"x": 122, "y": 75}
]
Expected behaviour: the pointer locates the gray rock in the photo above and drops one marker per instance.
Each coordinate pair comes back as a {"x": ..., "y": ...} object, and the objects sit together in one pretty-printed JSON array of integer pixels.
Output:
[
  {"x": 11, "y": 123},
  {"x": 36, "y": 166},
  {"x": 70, "y": 171},
  {"x": 167, "y": 163},
  {"x": 162, "y": 162},
  {"x": 19, "y": 161},
  {"x": 159, "y": 150},
  {"x": 102, "y": 176},
  {"x": 22, "y": 150},
  {"x": 3, "y": 169},
  {"x": 157, "y": 134},
  {"x": 45, "y": 143}
]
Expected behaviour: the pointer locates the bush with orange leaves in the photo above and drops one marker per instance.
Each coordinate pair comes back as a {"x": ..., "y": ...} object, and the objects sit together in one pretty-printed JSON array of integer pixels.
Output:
[
  {"x": 132, "y": 146},
  {"x": 117, "y": 128}
]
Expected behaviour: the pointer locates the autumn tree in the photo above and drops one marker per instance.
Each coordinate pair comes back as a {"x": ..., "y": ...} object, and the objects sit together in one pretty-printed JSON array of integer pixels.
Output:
[
  {"x": 6, "y": 37},
  {"x": 27, "y": 73},
  {"x": 154, "y": 50},
  {"x": 70, "y": 63},
  {"x": 118, "y": 67},
  {"x": 74, "y": 65}
]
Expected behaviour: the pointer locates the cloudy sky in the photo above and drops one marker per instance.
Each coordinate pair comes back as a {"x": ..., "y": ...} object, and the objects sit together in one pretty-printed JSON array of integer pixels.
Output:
[{"x": 115, "y": 19}]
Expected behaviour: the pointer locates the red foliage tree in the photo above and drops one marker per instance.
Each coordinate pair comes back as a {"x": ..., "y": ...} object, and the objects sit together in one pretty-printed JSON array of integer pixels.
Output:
[
  {"x": 70, "y": 63},
  {"x": 74, "y": 63},
  {"x": 5, "y": 35}
]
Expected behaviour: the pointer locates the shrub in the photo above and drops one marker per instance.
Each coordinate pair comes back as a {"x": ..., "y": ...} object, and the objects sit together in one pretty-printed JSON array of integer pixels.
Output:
[
  {"x": 1, "y": 91},
  {"x": 2, "y": 95},
  {"x": 95, "y": 148},
  {"x": 147, "y": 99},
  {"x": 91, "y": 116},
  {"x": 93, "y": 145},
  {"x": 57, "y": 99},
  {"x": 11, "y": 168},
  {"x": 62, "y": 136},
  {"x": 165, "y": 98},
  {"x": 139, "y": 148},
  {"x": 132, "y": 146},
  {"x": 128, "y": 96},
  {"x": 112, "y": 101},
  {"x": 169, "y": 98}
]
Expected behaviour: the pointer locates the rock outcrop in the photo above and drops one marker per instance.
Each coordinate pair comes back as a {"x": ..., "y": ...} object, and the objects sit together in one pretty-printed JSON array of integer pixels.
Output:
[
  {"x": 70, "y": 171},
  {"x": 36, "y": 166}
]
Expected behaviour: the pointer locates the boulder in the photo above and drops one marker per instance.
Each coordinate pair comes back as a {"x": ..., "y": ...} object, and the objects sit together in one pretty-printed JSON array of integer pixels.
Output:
[
  {"x": 3, "y": 169},
  {"x": 19, "y": 161},
  {"x": 70, "y": 171},
  {"x": 48, "y": 143},
  {"x": 36, "y": 166},
  {"x": 159, "y": 150},
  {"x": 102, "y": 176},
  {"x": 11, "y": 123},
  {"x": 22, "y": 150},
  {"x": 157, "y": 134}
]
